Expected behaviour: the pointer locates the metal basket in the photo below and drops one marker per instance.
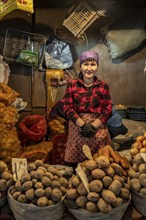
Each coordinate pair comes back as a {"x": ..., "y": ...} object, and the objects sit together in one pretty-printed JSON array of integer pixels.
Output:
[
  {"x": 81, "y": 18},
  {"x": 17, "y": 40}
]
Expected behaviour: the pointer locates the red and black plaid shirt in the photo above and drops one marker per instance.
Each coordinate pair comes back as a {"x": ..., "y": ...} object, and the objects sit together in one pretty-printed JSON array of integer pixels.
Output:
[{"x": 80, "y": 99}]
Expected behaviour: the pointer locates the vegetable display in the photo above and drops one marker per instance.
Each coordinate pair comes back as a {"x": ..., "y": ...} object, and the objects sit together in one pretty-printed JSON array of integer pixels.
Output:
[{"x": 109, "y": 185}]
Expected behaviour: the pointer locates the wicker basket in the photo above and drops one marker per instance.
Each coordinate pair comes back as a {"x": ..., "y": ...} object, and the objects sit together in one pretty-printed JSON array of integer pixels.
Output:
[
  {"x": 17, "y": 41},
  {"x": 81, "y": 18}
]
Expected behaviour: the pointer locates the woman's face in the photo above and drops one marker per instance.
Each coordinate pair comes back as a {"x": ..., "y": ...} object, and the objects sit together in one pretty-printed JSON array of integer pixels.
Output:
[{"x": 89, "y": 68}]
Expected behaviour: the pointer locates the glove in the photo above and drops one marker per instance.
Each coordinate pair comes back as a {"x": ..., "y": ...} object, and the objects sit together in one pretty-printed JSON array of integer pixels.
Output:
[{"x": 88, "y": 130}]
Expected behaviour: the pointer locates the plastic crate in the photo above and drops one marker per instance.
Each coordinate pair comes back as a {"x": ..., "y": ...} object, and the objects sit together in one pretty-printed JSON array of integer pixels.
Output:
[
  {"x": 17, "y": 41},
  {"x": 81, "y": 18}
]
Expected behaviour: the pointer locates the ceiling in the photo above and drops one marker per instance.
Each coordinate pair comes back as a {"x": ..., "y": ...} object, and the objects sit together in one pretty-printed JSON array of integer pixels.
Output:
[{"x": 69, "y": 3}]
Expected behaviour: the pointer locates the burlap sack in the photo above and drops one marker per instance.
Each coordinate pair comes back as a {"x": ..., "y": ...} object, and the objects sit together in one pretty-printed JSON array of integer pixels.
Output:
[
  {"x": 24, "y": 211},
  {"x": 116, "y": 213},
  {"x": 139, "y": 202},
  {"x": 3, "y": 201}
]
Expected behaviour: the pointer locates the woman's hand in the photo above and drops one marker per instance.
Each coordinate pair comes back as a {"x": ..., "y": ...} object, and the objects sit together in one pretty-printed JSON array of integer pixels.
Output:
[{"x": 87, "y": 130}]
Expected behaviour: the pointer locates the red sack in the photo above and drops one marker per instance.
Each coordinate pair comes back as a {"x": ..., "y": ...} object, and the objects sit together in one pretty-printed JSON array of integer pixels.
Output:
[{"x": 34, "y": 127}]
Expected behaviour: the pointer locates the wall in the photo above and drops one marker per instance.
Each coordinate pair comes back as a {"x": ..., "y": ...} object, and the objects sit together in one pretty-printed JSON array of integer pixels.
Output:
[{"x": 127, "y": 80}]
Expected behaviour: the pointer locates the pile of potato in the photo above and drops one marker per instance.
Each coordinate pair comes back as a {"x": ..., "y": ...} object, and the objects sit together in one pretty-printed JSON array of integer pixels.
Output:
[
  {"x": 137, "y": 172},
  {"x": 8, "y": 116},
  {"x": 58, "y": 125},
  {"x": 9, "y": 145},
  {"x": 6, "y": 179},
  {"x": 43, "y": 185},
  {"x": 9, "y": 141},
  {"x": 109, "y": 186}
]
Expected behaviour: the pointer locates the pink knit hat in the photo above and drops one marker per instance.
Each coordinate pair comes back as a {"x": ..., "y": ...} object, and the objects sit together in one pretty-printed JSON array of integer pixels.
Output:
[{"x": 89, "y": 54}]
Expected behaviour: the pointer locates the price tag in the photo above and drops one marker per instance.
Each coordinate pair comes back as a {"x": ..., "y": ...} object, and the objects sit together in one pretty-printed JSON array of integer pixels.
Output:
[
  {"x": 87, "y": 152},
  {"x": 19, "y": 167},
  {"x": 83, "y": 177},
  {"x": 143, "y": 156}
]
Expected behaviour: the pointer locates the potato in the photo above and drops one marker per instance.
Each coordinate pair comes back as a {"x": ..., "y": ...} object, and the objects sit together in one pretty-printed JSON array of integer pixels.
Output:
[
  {"x": 56, "y": 195},
  {"x": 38, "y": 174},
  {"x": 6, "y": 175},
  {"x": 25, "y": 177},
  {"x": 91, "y": 206},
  {"x": 75, "y": 181},
  {"x": 72, "y": 193},
  {"x": 103, "y": 206},
  {"x": 30, "y": 194},
  {"x": 38, "y": 163},
  {"x": 63, "y": 190},
  {"x": 95, "y": 186},
  {"x": 39, "y": 192},
  {"x": 135, "y": 184},
  {"x": 3, "y": 166},
  {"x": 42, "y": 168},
  {"x": 16, "y": 195},
  {"x": 109, "y": 171},
  {"x": 31, "y": 167},
  {"x": 118, "y": 202},
  {"x": 135, "y": 167},
  {"x": 131, "y": 173},
  {"x": 117, "y": 168},
  {"x": 55, "y": 184},
  {"x": 48, "y": 191},
  {"x": 120, "y": 178},
  {"x": 27, "y": 185},
  {"x": 108, "y": 196},
  {"x": 115, "y": 187},
  {"x": 134, "y": 151},
  {"x": 138, "y": 159},
  {"x": 63, "y": 181},
  {"x": 102, "y": 162},
  {"x": 81, "y": 201},
  {"x": 93, "y": 196},
  {"x": 49, "y": 175},
  {"x": 22, "y": 198},
  {"x": 10, "y": 183},
  {"x": 42, "y": 201},
  {"x": 142, "y": 168},
  {"x": 107, "y": 180},
  {"x": 82, "y": 190},
  {"x": 143, "y": 191},
  {"x": 124, "y": 193},
  {"x": 97, "y": 173},
  {"x": 46, "y": 181},
  {"x": 91, "y": 164},
  {"x": 142, "y": 179},
  {"x": 50, "y": 202},
  {"x": 3, "y": 185},
  {"x": 38, "y": 185}
]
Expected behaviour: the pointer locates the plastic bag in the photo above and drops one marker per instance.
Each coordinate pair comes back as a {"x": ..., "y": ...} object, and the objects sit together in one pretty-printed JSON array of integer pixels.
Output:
[
  {"x": 115, "y": 120},
  {"x": 125, "y": 36},
  {"x": 7, "y": 6},
  {"x": 34, "y": 127},
  {"x": 58, "y": 55},
  {"x": 28, "y": 57}
]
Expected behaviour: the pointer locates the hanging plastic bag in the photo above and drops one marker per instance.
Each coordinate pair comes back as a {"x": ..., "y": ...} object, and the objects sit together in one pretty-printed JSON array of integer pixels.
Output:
[
  {"x": 7, "y": 6},
  {"x": 58, "y": 55}
]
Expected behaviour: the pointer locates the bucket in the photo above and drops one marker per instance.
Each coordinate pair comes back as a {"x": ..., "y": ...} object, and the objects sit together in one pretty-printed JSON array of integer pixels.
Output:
[{"x": 137, "y": 113}]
